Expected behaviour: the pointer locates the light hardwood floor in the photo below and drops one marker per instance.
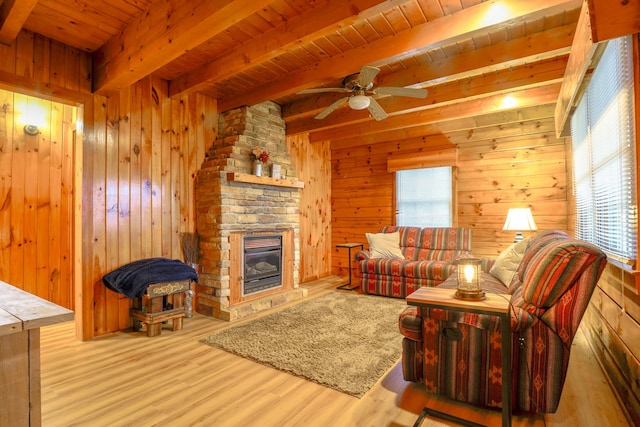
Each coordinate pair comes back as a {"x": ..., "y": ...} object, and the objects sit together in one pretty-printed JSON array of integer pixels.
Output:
[{"x": 128, "y": 379}]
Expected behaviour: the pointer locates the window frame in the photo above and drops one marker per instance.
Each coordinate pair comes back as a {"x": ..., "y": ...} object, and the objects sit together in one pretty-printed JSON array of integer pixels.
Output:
[
  {"x": 630, "y": 262},
  {"x": 443, "y": 157},
  {"x": 450, "y": 199}
]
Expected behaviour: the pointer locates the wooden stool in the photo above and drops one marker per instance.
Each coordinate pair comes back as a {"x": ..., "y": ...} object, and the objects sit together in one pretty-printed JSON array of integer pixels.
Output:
[{"x": 162, "y": 302}]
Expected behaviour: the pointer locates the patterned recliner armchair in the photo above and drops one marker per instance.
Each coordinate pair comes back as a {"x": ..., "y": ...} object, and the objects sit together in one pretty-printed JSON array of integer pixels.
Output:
[
  {"x": 428, "y": 256},
  {"x": 458, "y": 355}
]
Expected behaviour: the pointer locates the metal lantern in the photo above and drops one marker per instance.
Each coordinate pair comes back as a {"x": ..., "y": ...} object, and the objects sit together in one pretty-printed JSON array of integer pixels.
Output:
[{"x": 469, "y": 273}]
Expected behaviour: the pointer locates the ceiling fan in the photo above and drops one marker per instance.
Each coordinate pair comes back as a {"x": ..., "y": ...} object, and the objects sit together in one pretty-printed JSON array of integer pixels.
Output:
[{"x": 361, "y": 88}]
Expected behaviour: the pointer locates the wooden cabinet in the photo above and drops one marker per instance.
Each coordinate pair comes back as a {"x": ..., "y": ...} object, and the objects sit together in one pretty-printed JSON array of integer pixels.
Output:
[{"x": 21, "y": 317}]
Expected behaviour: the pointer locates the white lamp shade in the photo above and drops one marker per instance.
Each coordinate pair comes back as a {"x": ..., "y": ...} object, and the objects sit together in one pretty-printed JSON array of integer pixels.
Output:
[
  {"x": 519, "y": 219},
  {"x": 359, "y": 102}
]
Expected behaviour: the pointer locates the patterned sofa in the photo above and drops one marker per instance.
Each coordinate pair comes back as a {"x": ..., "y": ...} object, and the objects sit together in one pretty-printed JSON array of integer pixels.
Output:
[
  {"x": 550, "y": 291},
  {"x": 426, "y": 260}
]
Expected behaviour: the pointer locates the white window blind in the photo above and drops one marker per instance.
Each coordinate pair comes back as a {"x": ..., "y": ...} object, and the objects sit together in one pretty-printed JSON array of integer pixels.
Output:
[
  {"x": 424, "y": 197},
  {"x": 603, "y": 138}
]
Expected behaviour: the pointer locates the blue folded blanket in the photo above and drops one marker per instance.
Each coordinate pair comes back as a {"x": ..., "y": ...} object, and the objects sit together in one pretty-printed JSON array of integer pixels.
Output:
[{"x": 133, "y": 279}]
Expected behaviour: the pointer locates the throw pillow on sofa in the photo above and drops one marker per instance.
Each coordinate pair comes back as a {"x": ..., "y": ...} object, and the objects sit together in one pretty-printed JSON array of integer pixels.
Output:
[
  {"x": 508, "y": 261},
  {"x": 384, "y": 245}
]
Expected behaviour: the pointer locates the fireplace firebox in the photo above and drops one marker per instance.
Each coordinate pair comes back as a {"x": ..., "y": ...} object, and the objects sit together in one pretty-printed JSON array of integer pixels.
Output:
[{"x": 262, "y": 263}]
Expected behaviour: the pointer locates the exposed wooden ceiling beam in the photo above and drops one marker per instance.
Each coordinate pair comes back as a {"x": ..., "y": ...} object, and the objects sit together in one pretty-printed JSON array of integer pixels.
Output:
[
  {"x": 13, "y": 14},
  {"x": 463, "y": 129},
  {"x": 504, "y": 81},
  {"x": 491, "y": 104},
  {"x": 162, "y": 34},
  {"x": 580, "y": 60},
  {"x": 612, "y": 19},
  {"x": 490, "y": 59},
  {"x": 521, "y": 129},
  {"x": 510, "y": 53},
  {"x": 463, "y": 24},
  {"x": 599, "y": 21},
  {"x": 33, "y": 87},
  {"x": 322, "y": 20}
]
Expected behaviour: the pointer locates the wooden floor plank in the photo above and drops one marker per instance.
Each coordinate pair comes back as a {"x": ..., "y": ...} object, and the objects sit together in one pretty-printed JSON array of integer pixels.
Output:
[{"x": 130, "y": 379}]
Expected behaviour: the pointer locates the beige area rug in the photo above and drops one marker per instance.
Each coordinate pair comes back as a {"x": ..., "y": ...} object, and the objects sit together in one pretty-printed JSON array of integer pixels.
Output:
[{"x": 340, "y": 340}]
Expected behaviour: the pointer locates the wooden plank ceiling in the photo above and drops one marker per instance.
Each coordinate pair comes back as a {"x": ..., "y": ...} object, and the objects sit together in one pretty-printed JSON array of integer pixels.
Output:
[{"x": 473, "y": 56}]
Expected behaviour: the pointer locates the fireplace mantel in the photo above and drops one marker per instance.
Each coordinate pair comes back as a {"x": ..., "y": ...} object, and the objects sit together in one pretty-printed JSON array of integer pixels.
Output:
[{"x": 263, "y": 180}]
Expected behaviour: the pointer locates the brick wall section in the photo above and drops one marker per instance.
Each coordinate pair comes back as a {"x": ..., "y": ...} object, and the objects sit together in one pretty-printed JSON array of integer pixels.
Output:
[{"x": 223, "y": 207}]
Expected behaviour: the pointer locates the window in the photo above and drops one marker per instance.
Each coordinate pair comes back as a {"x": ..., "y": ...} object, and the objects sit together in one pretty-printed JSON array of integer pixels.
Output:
[
  {"x": 424, "y": 197},
  {"x": 602, "y": 131}
]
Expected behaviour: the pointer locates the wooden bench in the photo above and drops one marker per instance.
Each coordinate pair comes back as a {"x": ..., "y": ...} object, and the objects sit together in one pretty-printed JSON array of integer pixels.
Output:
[{"x": 162, "y": 302}]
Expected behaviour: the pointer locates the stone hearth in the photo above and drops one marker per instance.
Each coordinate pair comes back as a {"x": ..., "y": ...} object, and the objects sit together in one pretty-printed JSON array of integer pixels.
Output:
[{"x": 229, "y": 206}]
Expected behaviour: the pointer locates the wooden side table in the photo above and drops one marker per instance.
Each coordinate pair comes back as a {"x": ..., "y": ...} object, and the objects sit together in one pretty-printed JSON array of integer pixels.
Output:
[
  {"x": 349, "y": 246},
  {"x": 494, "y": 305}
]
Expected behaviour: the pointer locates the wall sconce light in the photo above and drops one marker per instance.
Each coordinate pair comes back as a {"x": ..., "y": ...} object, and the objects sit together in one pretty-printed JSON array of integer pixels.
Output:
[
  {"x": 31, "y": 130},
  {"x": 519, "y": 220},
  {"x": 33, "y": 114},
  {"x": 469, "y": 274}
]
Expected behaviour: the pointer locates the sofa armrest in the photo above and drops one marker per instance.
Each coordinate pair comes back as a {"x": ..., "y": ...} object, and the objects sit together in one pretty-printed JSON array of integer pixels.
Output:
[
  {"x": 361, "y": 255},
  {"x": 410, "y": 323}
]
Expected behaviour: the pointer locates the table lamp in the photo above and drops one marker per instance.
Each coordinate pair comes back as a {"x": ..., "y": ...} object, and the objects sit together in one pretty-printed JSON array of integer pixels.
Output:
[{"x": 519, "y": 220}]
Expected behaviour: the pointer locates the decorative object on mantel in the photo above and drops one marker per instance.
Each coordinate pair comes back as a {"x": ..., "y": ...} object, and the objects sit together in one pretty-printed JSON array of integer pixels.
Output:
[
  {"x": 519, "y": 220},
  {"x": 275, "y": 171},
  {"x": 258, "y": 156}
]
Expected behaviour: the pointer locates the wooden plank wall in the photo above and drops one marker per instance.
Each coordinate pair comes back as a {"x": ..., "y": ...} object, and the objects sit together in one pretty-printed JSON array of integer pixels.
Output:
[
  {"x": 45, "y": 68},
  {"x": 140, "y": 154},
  {"x": 504, "y": 160},
  {"x": 312, "y": 164},
  {"x": 612, "y": 326},
  {"x": 362, "y": 190},
  {"x": 36, "y": 196},
  {"x": 36, "y": 223},
  {"x": 517, "y": 164},
  {"x": 140, "y": 173}
]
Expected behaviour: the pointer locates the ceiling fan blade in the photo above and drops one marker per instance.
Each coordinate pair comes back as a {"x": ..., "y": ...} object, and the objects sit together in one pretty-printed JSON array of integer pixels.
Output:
[
  {"x": 367, "y": 74},
  {"x": 376, "y": 110},
  {"x": 323, "y": 89},
  {"x": 331, "y": 108},
  {"x": 401, "y": 91}
]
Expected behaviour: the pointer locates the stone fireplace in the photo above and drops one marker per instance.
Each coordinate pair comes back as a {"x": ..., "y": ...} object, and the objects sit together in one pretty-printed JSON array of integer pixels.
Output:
[{"x": 240, "y": 216}]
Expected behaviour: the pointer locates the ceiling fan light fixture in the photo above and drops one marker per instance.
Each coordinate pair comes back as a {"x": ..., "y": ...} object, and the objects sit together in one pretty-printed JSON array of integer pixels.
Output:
[{"x": 359, "y": 102}]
